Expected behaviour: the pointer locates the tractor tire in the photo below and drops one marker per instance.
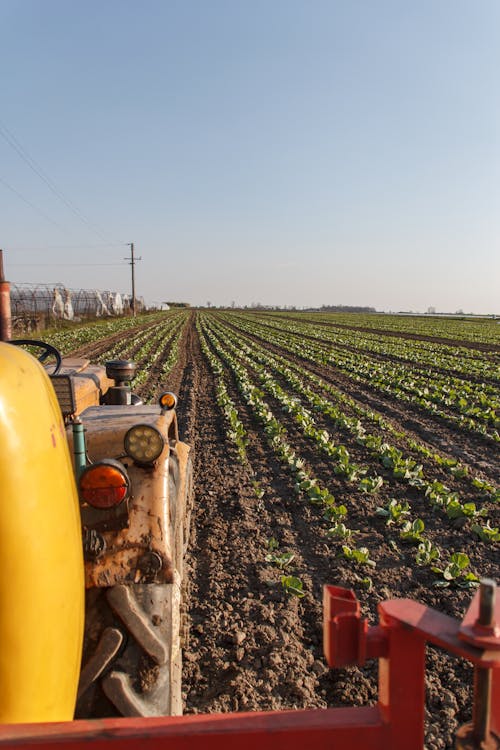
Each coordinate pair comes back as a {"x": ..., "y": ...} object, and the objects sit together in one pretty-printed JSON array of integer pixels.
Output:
[
  {"x": 188, "y": 501},
  {"x": 182, "y": 507},
  {"x": 132, "y": 655},
  {"x": 182, "y": 533}
]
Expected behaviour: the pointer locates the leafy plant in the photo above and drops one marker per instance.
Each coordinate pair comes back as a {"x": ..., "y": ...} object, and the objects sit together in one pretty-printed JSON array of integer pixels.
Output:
[
  {"x": 486, "y": 487},
  {"x": 454, "y": 573},
  {"x": 334, "y": 512},
  {"x": 426, "y": 553},
  {"x": 371, "y": 484},
  {"x": 395, "y": 512},
  {"x": 486, "y": 533},
  {"x": 360, "y": 555},
  {"x": 459, "y": 513},
  {"x": 412, "y": 532},
  {"x": 258, "y": 491},
  {"x": 293, "y": 586},
  {"x": 281, "y": 559},
  {"x": 364, "y": 581},
  {"x": 340, "y": 531}
]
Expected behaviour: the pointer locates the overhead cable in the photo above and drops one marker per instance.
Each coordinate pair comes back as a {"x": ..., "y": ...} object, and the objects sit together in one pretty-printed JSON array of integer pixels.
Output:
[
  {"x": 29, "y": 248},
  {"x": 21, "y": 151},
  {"x": 32, "y": 205},
  {"x": 60, "y": 265}
]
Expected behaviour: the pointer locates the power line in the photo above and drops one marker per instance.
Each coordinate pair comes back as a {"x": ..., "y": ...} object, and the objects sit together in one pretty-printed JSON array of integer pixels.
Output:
[
  {"x": 32, "y": 205},
  {"x": 21, "y": 151},
  {"x": 61, "y": 265},
  {"x": 29, "y": 248}
]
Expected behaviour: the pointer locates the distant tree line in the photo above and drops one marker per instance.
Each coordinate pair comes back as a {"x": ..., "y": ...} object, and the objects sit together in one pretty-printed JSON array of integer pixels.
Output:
[
  {"x": 346, "y": 308},
  {"x": 290, "y": 308}
]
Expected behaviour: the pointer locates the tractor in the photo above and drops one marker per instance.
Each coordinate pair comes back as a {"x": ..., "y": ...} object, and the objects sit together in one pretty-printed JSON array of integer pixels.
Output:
[{"x": 134, "y": 481}]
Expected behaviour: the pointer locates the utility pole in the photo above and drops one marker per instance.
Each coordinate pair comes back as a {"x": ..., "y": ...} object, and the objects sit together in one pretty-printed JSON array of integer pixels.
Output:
[
  {"x": 132, "y": 264},
  {"x": 5, "y": 316}
]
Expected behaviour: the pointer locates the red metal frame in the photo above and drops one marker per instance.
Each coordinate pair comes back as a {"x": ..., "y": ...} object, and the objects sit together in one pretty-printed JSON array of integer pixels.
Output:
[{"x": 396, "y": 722}]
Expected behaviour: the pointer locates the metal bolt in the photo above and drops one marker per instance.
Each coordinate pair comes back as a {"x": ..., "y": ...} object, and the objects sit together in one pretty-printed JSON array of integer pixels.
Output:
[
  {"x": 482, "y": 677},
  {"x": 487, "y": 592}
]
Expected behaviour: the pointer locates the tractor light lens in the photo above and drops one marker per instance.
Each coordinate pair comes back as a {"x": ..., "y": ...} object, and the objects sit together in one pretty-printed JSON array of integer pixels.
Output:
[
  {"x": 144, "y": 443},
  {"x": 104, "y": 485},
  {"x": 168, "y": 400}
]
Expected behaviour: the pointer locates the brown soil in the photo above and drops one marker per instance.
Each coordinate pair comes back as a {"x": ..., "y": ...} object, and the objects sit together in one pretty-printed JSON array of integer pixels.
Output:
[{"x": 252, "y": 646}]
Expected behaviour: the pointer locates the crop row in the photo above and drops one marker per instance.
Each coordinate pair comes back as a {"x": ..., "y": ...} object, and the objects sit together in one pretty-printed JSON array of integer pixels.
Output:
[
  {"x": 469, "y": 405},
  {"x": 74, "y": 338},
  {"x": 241, "y": 365},
  {"x": 456, "y": 359},
  {"x": 148, "y": 340},
  {"x": 404, "y": 468},
  {"x": 391, "y": 457},
  {"x": 476, "y": 330}
]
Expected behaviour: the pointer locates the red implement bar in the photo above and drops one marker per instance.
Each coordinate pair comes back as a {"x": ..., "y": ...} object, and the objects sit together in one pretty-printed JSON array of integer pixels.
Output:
[{"x": 396, "y": 722}]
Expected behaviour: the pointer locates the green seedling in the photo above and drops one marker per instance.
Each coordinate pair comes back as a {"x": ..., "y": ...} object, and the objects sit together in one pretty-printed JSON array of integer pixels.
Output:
[
  {"x": 426, "y": 553},
  {"x": 340, "y": 531},
  {"x": 454, "y": 573},
  {"x": 293, "y": 586},
  {"x": 458, "y": 513},
  {"x": 358, "y": 555},
  {"x": 412, "y": 532},
  {"x": 486, "y": 533},
  {"x": 258, "y": 491},
  {"x": 282, "y": 559},
  {"x": 371, "y": 484},
  {"x": 335, "y": 512},
  {"x": 394, "y": 512}
]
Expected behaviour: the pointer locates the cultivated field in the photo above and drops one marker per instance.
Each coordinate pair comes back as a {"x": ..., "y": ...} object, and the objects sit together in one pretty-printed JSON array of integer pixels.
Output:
[{"x": 349, "y": 449}]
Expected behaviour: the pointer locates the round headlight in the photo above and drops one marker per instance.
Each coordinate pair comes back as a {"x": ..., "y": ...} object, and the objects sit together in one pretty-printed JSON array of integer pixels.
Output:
[
  {"x": 144, "y": 443},
  {"x": 104, "y": 485}
]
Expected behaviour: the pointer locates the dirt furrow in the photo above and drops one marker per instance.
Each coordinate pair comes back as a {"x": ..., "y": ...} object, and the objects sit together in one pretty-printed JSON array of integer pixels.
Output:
[
  {"x": 246, "y": 649},
  {"x": 253, "y": 648},
  {"x": 478, "y": 453}
]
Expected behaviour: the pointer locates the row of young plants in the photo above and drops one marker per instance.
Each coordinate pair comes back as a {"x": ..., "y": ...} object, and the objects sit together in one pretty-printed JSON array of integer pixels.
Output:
[
  {"x": 235, "y": 430},
  {"x": 403, "y": 468},
  {"x": 484, "y": 489},
  {"x": 411, "y": 532},
  {"x": 456, "y": 359},
  {"x": 236, "y": 433},
  {"x": 147, "y": 346},
  {"x": 395, "y": 381},
  {"x": 308, "y": 486},
  {"x": 478, "y": 400},
  {"x": 69, "y": 339},
  {"x": 145, "y": 343},
  {"x": 475, "y": 330},
  {"x": 166, "y": 337},
  {"x": 451, "y": 465}
]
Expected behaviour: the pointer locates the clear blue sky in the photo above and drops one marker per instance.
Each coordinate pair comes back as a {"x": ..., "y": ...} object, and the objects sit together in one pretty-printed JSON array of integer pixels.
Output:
[{"x": 276, "y": 151}]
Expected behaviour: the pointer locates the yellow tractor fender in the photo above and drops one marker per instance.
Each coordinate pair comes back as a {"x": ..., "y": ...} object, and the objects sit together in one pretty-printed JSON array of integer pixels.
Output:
[{"x": 41, "y": 558}]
